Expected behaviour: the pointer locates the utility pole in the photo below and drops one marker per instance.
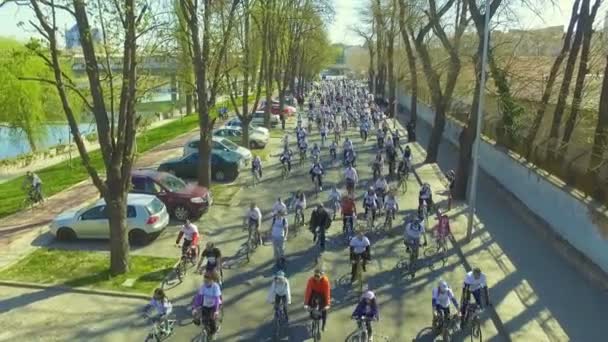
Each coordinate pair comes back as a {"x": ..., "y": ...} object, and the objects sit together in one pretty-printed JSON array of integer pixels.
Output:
[{"x": 475, "y": 168}]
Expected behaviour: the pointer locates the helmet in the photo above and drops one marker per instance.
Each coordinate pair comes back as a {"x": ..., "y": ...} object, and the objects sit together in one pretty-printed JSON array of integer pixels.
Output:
[
  {"x": 279, "y": 274},
  {"x": 369, "y": 295},
  {"x": 443, "y": 286}
]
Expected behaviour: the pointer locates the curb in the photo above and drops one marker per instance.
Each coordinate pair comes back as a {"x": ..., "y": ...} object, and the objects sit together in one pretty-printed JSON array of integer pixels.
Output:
[{"x": 82, "y": 290}]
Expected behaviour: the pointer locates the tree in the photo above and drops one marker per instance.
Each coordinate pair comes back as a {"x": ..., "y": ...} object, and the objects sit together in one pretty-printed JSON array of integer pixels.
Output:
[
  {"x": 116, "y": 134},
  {"x": 600, "y": 137},
  {"x": 440, "y": 96},
  {"x": 207, "y": 65},
  {"x": 184, "y": 57},
  {"x": 405, "y": 21}
]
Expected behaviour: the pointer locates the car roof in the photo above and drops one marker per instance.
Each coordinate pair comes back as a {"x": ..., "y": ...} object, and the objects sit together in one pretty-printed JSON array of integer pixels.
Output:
[{"x": 132, "y": 199}]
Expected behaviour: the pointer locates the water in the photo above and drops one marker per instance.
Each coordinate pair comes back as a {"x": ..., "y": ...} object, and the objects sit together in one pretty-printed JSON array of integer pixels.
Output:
[{"x": 14, "y": 142}]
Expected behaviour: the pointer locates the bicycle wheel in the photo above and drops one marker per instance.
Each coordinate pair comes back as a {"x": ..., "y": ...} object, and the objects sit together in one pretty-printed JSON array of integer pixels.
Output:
[{"x": 476, "y": 330}]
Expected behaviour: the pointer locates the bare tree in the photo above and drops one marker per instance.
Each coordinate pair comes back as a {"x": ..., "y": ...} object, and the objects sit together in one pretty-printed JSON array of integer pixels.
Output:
[{"x": 406, "y": 16}]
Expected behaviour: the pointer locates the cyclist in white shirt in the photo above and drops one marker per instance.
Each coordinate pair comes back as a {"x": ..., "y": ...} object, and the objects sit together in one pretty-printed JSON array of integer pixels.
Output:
[
  {"x": 316, "y": 171},
  {"x": 279, "y": 207},
  {"x": 391, "y": 206},
  {"x": 278, "y": 234},
  {"x": 207, "y": 303},
  {"x": 474, "y": 283},
  {"x": 359, "y": 252},
  {"x": 370, "y": 202},
  {"x": 190, "y": 233},
  {"x": 280, "y": 293},
  {"x": 414, "y": 230},
  {"x": 442, "y": 296},
  {"x": 253, "y": 218}
]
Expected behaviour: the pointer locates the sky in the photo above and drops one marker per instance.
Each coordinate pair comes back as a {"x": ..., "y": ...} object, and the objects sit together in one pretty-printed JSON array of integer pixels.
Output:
[{"x": 339, "y": 31}]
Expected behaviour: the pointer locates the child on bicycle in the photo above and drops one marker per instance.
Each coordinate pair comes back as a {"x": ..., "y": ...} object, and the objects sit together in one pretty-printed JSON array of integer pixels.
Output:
[
  {"x": 366, "y": 311},
  {"x": 163, "y": 308},
  {"x": 442, "y": 229},
  {"x": 280, "y": 293}
]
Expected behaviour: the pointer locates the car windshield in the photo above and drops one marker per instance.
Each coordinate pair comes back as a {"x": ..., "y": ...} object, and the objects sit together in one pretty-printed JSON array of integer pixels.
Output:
[
  {"x": 232, "y": 146},
  {"x": 172, "y": 183}
]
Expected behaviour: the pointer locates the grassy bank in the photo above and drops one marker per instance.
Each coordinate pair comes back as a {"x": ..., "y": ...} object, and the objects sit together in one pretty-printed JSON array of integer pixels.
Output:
[
  {"x": 88, "y": 269},
  {"x": 61, "y": 176}
]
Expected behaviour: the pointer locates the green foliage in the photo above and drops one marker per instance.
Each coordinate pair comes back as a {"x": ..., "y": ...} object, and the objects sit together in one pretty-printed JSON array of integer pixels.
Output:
[
  {"x": 88, "y": 269},
  {"x": 27, "y": 104},
  {"x": 508, "y": 129}
]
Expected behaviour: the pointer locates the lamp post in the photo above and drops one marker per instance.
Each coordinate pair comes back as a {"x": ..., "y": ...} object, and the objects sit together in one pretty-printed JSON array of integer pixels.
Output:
[{"x": 477, "y": 142}]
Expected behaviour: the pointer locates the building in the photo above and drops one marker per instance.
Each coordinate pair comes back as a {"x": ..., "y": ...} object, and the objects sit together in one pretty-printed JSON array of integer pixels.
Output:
[{"x": 72, "y": 37}]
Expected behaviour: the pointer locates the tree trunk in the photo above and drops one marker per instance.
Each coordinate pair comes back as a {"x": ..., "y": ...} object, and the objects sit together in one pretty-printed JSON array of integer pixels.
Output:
[
  {"x": 564, "y": 91},
  {"x": 188, "y": 102},
  {"x": 586, "y": 21},
  {"x": 540, "y": 113},
  {"x": 246, "y": 71},
  {"x": 436, "y": 135},
  {"x": 411, "y": 61},
  {"x": 600, "y": 138},
  {"x": 116, "y": 204}
]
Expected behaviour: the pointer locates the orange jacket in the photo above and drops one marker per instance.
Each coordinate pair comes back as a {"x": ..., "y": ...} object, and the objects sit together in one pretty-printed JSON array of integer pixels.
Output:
[{"x": 321, "y": 287}]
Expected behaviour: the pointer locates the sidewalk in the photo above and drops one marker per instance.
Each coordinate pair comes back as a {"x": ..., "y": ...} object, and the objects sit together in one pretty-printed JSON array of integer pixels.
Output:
[{"x": 537, "y": 295}]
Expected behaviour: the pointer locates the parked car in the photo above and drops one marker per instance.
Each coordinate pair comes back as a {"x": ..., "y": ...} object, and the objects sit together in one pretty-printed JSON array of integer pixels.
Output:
[
  {"x": 258, "y": 119},
  {"x": 146, "y": 218},
  {"x": 226, "y": 148},
  {"x": 236, "y": 122},
  {"x": 234, "y": 134},
  {"x": 276, "y": 108},
  {"x": 222, "y": 169},
  {"x": 183, "y": 201}
]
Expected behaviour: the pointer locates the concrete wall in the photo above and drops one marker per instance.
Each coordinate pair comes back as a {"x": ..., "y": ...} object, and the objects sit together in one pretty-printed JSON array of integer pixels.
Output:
[{"x": 572, "y": 216}]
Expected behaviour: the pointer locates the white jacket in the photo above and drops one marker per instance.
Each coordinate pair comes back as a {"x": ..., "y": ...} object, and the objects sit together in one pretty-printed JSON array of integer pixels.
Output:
[{"x": 279, "y": 288}]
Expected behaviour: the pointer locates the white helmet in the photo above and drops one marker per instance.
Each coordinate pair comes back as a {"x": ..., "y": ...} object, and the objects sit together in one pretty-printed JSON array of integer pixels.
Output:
[
  {"x": 443, "y": 285},
  {"x": 369, "y": 295}
]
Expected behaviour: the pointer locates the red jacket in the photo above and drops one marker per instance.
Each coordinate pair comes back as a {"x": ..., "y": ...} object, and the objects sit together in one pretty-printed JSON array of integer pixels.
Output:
[{"x": 321, "y": 287}]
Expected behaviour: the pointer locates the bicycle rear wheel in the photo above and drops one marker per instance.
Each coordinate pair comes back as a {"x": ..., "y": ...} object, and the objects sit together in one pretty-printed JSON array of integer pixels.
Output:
[{"x": 476, "y": 331}]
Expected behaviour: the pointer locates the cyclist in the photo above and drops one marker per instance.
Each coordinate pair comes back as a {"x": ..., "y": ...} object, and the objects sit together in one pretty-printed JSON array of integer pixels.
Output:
[
  {"x": 380, "y": 138},
  {"x": 442, "y": 296},
  {"x": 332, "y": 150},
  {"x": 348, "y": 209},
  {"x": 190, "y": 233},
  {"x": 334, "y": 198},
  {"x": 285, "y": 157},
  {"x": 391, "y": 157},
  {"x": 407, "y": 154},
  {"x": 414, "y": 230},
  {"x": 377, "y": 164},
  {"x": 280, "y": 293},
  {"x": 451, "y": 176},
  {"x": 253, "y": 219},
  {"x": 425, "y": 196},
  {"x": 315, "y": 152},
  {"x": 33, "y": 184},
  {"x": 256, "y": 166},
  {"x": 370, "y": 203},
  {"x": 337, "y": 131},
  {"x": 391, "y": 206},
  {"x": 380, "y": 187},
  {"x": 351, "y": 178},
  {"x": 396, "y": 137},
  {"x": 214, "y": 260},
  {"x": 359, "y": 252},
  {"x": 364, "y": 129},
  {"x": 351, "y": 158},
  {"x": 279, "y": 207},
  {"x": 303, "y": 146},
  {"x": 207, "y": 303},
  {"x": 318, "y": 290},
  {"x": 403, "y": 168},
  {"x": 163, "y": 307},
  {"x": 442, "y": 229},
  {"x": 278, "y": 233},
  {"x": 323, "y": 134},
  {"x": 367, "y": 308},
  {"x": 316, "y": 171},
  {"x": 347, "y": 146},
  {"x": 474, "y": 283},
  {"x": 319, "y": 223},
  {"x": 299, "y": 203}
]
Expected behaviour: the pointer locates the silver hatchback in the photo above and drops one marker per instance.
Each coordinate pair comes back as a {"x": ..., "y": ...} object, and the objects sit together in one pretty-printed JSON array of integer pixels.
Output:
[{"x": 146, "y": 217}]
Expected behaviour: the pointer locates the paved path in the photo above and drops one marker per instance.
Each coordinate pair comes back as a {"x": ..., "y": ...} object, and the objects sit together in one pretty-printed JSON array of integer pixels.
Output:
[{"x": 539, "y": 295}]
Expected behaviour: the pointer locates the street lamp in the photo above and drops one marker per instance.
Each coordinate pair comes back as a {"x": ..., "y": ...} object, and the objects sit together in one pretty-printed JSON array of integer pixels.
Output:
[{"x": 477, "y": 142}]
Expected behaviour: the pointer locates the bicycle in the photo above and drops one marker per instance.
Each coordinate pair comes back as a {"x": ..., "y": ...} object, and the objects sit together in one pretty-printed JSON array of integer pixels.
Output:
[
  {"x": 438, "y": 249},
  {"x": 425, "y": 213},
  {"x": 444, "y": 326},
  {"x": 302, "y": 157},
  {"x": 32, "y": 198},
  {"x": 162, "y": 328},
  {"x": 348, "y": 230},
  {"x": 472, "y": 317},
  {"x": 369, "y": 220},
  {"x": 402, "y": 185},
  {"x": 206, "y": 335},
  {"x": 359, "y": 335},
  {"x": 279, "y": 320},
  {"x": 315, "y": 326},
  {"x": 253, "y": 239},
  {"x": 298, "y": 220},
  {"x": 412, "y": 257},
  {"x": 317, "y": 187},
  {"x": 334, "y": 157},
  {"x": 376, "y": 170},
  {"x": 388, "y": 222},
  {"x": 181, "y": 268},
  {"x": 336, "y": 208}
]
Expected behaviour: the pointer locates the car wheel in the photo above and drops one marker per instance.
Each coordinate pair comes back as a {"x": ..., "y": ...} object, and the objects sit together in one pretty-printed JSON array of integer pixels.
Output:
[
  {"x": 138, "y": 237},
  {"x": 66, "y": 234},
  {"x": 181, "y": 213},
  {"x": 254, "y": 144},
  {"x": 220, "y": 176}
]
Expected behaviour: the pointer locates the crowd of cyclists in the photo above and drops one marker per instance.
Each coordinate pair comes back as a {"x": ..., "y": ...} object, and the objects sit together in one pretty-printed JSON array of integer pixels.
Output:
[{"x": 333, "y": 107}]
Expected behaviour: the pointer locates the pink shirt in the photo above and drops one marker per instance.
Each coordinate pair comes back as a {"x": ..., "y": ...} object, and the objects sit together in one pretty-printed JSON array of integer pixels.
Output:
[{"x": 443, "y": 227}]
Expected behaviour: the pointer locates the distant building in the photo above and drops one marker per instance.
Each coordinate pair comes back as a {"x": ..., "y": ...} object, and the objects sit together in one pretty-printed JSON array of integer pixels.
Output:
[{"x": 72, "y": 37}]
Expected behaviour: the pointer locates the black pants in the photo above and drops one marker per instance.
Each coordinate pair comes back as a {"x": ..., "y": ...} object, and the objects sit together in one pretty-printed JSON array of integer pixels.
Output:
[
  {"x": 373, "y": 212},
  {"x": 315, "y": 297},
  {"x": 319, "y": 234},
  {"x": 363, "y": 134},
  {"x": 368, "y": 326},
  {"x": 345, "y": 220},
  {"x": 207, "y": 318},
  {"x": 281, "y": 300},
  {"x": 320, "y": 177}
]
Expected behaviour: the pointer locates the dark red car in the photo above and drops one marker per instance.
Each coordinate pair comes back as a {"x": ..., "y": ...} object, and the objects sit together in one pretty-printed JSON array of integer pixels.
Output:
[
  {"x": 183, "y": 200},
  {"x": 276, "y": 108}
]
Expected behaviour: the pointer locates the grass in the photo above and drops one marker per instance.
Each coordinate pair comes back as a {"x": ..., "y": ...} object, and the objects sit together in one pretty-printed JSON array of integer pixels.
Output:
[
  {"x": 223, "y": 193},
  {"x": 61, "y": 176},
  {"x": 158, "y": 106},
  {"x": 88, "y": 269}
]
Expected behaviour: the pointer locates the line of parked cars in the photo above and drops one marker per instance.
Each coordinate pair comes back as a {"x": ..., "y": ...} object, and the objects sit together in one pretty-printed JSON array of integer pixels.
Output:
[{"x": 156, "y": 195}]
